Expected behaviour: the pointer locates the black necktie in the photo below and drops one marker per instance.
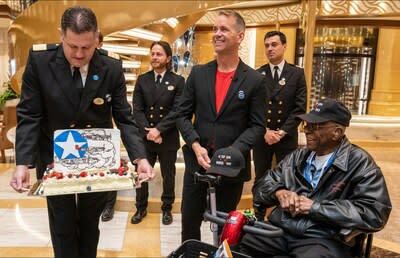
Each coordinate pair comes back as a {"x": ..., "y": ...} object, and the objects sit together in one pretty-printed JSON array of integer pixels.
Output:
[
  {"x": 158, "y": 81},
  {"x": 276, "y": 76},
  {"x": 78, "y": 80}
]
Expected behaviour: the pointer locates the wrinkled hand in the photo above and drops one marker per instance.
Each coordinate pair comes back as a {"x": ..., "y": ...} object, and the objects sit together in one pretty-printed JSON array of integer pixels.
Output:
[
  {"x": 272, "y": 136},
  {"x": 289, "y": 201},
  {"x": 20, "y": 179},
  {"x": 201, "y": 155},
  {"x": 153, "y": 134},
  {"x": 144, "y": 167},
  {"x": 305, "y": 205}
]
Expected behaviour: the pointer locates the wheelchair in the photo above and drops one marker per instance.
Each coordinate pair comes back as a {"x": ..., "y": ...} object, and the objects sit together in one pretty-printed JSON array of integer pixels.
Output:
[{"x": 362, "y": 242}]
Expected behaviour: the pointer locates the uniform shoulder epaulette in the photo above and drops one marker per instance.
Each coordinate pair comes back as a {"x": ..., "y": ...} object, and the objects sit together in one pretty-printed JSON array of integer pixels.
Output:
[
  {"x": 109, "y": 53},
  {"x": 295, "y": 65},
  {"x": 44, "y": 47}
]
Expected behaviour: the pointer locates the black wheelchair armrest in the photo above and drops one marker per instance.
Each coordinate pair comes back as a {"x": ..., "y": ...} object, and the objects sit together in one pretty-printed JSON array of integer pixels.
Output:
[{"x": 346, "y": 234}]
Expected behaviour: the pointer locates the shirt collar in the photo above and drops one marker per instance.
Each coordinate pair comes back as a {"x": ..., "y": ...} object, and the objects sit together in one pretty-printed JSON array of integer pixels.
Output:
[
  {"x": 280, "y": 65},
  {"x": 83, "y": 70},
  {"x": 162, "y": 75}
]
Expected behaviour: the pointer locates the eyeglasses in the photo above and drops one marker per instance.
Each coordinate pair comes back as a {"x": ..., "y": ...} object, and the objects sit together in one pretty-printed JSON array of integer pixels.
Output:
[{"x": 311, "y": 127}]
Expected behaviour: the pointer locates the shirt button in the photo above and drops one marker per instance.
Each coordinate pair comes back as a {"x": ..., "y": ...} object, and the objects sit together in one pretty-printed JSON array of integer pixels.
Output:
[
  {"x": 269, "y": 111},
  {"x": 151, "y": 124},
  {"x": 72, "y": 125},
  {"x": 268, "y": 120},
  {"x": 161, "y": 108},
  {"x": 280, "y": 102},
  {"x": 270, "y": 102},
  {"x": 88, "y": 126},
  {"x": 279, "y": 111},
  {"x": 151, "y": 116},
  {"x": 151, "y": 108},
  {"x": 161, "y": 116},
  {"x": 278, "y": 120}
]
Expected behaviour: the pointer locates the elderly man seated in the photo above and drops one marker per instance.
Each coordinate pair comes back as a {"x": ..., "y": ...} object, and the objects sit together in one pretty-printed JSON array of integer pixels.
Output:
[{"x": 318, "y": 190}]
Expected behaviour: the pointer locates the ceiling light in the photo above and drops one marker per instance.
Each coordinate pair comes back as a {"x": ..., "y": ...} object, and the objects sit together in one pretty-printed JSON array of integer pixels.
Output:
[
  {"x": 143, "y": 34},
  {"x": 126, "y": 49},
  {"x": 172, "y": 22},
  {"x": 131, "y": 64}
]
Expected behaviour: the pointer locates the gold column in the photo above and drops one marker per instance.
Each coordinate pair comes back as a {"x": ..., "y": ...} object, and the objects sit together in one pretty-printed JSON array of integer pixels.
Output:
[
  {"x": 309, "y": 46},
  {"x": 385, "y": 95}
]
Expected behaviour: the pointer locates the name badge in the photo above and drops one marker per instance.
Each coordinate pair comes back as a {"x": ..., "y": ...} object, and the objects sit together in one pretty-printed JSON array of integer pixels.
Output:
[
  {"x": 98, "y": 101},
  {"x": 170, "y": 88}
]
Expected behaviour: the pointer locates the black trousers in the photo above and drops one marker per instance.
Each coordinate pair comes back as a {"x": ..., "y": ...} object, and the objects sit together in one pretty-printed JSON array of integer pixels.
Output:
[
  {"x": 111, "y": 199},
  {"x": 194, "y": 203},
  {"x": 74, "y": 223},
  {"x": 290, "y": 246},
  {"x": 167, "y": 161},
  {"x": 263, "y": 154},
  {"x": 262, "y": 158}
]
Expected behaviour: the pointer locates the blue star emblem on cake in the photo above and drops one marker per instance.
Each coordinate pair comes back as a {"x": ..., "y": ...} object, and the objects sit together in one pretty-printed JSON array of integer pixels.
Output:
[{"x": 70, "y": 144}]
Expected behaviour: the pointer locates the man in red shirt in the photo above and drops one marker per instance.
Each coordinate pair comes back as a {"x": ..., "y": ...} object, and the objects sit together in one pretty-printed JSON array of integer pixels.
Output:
[{"x": 227, "y": 99}]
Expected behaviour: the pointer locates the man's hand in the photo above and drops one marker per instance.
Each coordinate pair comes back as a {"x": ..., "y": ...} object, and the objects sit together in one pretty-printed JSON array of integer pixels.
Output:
[
  {"x": 202, "y": 155},
  {"x": 153, "y": 134},
  {"x": 305, "y": 205},
  {"x": 144, "y": 167},
  {"x": 289, "y": 201},
  {"x": 272, "y": 136},
  {"x": 20, "y": 179}
]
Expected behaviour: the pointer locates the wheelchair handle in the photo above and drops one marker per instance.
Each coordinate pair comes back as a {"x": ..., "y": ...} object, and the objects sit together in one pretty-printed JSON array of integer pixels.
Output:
[
  {"x": 259, "y": 228},
  {"x": 210, "y": 179}
]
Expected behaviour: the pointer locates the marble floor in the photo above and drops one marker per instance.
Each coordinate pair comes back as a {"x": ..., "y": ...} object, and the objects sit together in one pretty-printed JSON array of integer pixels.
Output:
[{"x": 24, "y": 231}]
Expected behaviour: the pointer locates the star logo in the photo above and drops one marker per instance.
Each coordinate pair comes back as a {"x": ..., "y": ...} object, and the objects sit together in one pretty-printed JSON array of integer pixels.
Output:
[{"x": 70, "y": 145}]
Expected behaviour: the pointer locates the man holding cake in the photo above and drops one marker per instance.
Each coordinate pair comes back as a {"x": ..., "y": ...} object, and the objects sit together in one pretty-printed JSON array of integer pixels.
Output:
[{"x": 72, "y": 85}]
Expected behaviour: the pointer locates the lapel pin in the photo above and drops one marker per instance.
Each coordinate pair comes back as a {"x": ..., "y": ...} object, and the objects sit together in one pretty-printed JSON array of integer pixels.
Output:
[
  {"x": 98, "y": 101},
  {"x": 171, "y": 88},
  {"x": 282, "y": 82},
  {"x": 95, "y": 77},
  {"x": 263, "y": 72},
  {"x": 241, "y": 94},
  {"x": 108, "y": 98},
  {"x": 166, "y": 82}
]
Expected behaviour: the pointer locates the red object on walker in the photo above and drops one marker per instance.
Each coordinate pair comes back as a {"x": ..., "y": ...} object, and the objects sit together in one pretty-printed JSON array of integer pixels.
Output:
[{"x": 232, "y": 231}]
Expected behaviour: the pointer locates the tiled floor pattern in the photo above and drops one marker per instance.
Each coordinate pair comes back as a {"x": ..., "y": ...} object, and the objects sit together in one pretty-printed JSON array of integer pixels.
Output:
[
  {"x": 29, "y": 227},
  {"x": 170, "y": 235}
]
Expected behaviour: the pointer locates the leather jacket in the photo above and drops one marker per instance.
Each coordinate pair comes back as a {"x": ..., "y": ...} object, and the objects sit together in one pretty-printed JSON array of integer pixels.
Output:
[{"x": 351, "y": 194}]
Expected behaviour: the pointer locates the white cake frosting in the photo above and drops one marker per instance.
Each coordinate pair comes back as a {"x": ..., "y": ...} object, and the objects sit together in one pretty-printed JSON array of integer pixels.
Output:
[{"x": 86, "y": 160}]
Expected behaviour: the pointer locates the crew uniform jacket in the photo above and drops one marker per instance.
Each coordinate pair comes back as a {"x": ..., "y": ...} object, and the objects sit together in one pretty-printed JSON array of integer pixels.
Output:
[
  {"x": 351, "y": 194},
  {"x": 50, "y": 102},
  {"x": 286, "y": 101},
  {"x": 156, "y": 107},
  {"x": 240, "y": 121}
]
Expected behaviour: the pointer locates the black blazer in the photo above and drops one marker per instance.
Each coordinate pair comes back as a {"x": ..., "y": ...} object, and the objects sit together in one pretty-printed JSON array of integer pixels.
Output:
[
  {"x": 156, "y": 107},
  {"x": 49, "y": 101},
  {"x": 285, "y": 102},
  {"x": 240, "y": 121}
]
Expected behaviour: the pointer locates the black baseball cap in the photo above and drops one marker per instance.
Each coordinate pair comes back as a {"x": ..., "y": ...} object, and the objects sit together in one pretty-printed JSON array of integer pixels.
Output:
[
  {"x": 227, "y": 162},
  {"x": 328, "y": 110}
]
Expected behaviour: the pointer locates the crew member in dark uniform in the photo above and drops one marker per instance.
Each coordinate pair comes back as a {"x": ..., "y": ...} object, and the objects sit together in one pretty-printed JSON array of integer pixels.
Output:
[
  {"x": 286, "y": 98},
  {"x": 72, "y": 85},
  {"x": 155, "y": 100}
]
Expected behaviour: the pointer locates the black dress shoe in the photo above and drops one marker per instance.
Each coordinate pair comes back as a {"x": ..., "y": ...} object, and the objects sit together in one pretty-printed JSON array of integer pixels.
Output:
[
  {"x": 138, "y": 216},
  {"x": 167, "y": 217},
  {"x": 108, "y": 214}
]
